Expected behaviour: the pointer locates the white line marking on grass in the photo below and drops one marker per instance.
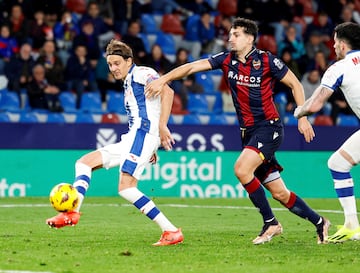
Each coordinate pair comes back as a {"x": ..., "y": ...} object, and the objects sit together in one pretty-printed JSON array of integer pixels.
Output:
[{"x": 161, "y": 205}]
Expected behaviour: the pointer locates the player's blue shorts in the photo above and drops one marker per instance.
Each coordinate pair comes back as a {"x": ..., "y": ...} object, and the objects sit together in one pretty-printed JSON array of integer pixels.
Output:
[{"x": 265, "y": 138}]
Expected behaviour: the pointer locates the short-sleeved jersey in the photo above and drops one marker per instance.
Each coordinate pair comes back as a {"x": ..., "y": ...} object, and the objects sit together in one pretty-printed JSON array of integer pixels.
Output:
[
  {"x": 251, "y": 83},
  {"x": 143, "y": 113},
  {"x": 344, "y": 74}
]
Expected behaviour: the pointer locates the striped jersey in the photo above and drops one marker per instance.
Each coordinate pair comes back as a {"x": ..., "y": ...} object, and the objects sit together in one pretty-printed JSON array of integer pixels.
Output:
[
  {"x": 345, "y": 74},
  {"x": 143, "y": 113},
  {"x": 251, "y": 83}
]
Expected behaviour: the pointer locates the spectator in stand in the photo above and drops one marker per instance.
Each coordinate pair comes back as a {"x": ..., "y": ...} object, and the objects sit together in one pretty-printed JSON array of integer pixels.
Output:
[
  {"x": 315, "y": 44},
  {"x": 125, "y": 11},
  {"x": 323, "y": 25},
  {"x": 168, "y": 7},
  {"x": 42, "y": 94},
  {"x": 78, "y": 73},
  {"x": 8, "y": 46},
  {"x": 197, "y": 6},
  {"x": 222, "y": 34},
  {"x": 19, "y": 25},
  {"x": 206, "y": 33},
  {"x": 319, "y": 63},
  {"x": 93, "y": 15},
  {"x": 182, "y": 57},
  {"x": 157, "y": 60},
  {"x": 19, "y": 69},
  {"x": 39, "y": 31},
  {"x": 132, "y": 39},
  {"x": 105, "y": 80},
  {"x": 88, "y": 38},
  {"x": 339, "y": 105},
  {"x": 64, "y": 32},
  {"x": 346, "y": 14},
  {"x": 189, "y": 85},
  {"x": 54, "y": 67},
  {"x": 295, "y": 45},
  {"x": 310, "y": 81}
]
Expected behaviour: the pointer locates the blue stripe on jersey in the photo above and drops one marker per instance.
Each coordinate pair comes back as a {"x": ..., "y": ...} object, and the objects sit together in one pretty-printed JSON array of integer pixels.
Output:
[
  {"x": 138, "y": 90},
  {"x": 340, "y": 176},
  {"x": 153, "y": 213},
  {"x": 345, "y": 192},
  {"x": 141, "y": 202},
  {"x": 138, "y": 144}
]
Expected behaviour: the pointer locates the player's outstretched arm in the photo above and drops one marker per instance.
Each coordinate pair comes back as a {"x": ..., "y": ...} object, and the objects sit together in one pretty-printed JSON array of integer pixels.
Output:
[
  {"x": 155, "y": 87},
  {"x": 167, "y": 96},
  {"x": 314, "y": 103}
]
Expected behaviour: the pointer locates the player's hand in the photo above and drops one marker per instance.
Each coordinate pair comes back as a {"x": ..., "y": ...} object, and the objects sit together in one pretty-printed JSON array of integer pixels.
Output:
[
  {"x": 305, "y": 128},
  {"x": 153, "y": 88},
  {"x": 153, "y": 158},
  {"x": 167, "y": 140}
]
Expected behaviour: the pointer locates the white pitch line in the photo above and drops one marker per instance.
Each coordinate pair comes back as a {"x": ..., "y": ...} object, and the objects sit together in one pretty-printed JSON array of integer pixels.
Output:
[{"x": 161, "y": 205}]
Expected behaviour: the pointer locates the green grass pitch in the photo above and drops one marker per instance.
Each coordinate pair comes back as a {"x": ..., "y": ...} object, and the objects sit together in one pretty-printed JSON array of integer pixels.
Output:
[{"x": 114, "y": 237}]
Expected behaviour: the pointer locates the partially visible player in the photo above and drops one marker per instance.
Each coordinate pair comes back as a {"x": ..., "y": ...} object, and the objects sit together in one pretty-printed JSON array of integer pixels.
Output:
[
  {"x": 343, "y": 75},
  {"x": 250, "y": 74},
  {"x": 147, "y": 130}
]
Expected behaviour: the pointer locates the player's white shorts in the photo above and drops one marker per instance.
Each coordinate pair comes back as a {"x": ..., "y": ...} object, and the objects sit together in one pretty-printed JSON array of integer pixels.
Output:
[
  {"x": 132, "y": 153},
  {"x": 352, "y": 146}
]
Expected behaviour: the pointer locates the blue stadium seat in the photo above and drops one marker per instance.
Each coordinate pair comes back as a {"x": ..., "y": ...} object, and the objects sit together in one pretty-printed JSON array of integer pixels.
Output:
[
  {"x": 167, "y": 43},
  {"x": 146, "y": 42},
  {"x": 91, "y": 102},
  {"x": 347, "y": 120},
  {"x": 192, "y": 28},
  {"x": 290, "y": 120},
  {"x": 218, "y": 119},
  {"x": 215, "y": 102},
  {"x": 68, "y": 101},
  {"x": 4, "y": 117},
  {"x": 148, "y": 23},
  {"x": 10, "y": 101},
  {"x": 55, "y": 118},
  {"x": 197, "y": 104},
  {"x": 115, "y": 102},
  {"x": 28, "y": 117},
  {"x": 82, "y": 117},
  {"x": 191, "y": 119},
  {"x": 205, "y": 80}
]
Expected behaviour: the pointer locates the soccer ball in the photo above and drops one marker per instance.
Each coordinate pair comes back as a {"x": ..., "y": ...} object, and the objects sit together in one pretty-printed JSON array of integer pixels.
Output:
[{"x": 64, "y": 197}]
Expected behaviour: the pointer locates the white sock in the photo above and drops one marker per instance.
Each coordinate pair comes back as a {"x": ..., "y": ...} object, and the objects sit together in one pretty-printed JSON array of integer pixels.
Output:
[
  {"x": 147, "y": 207},
  {"x": 82, "y": 181}
]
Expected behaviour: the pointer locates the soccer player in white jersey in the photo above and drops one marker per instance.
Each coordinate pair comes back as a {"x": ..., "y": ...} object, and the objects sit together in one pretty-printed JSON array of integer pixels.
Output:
[
  {"x": 147, "y": 131},
  {"x": 343, "y": 74}
]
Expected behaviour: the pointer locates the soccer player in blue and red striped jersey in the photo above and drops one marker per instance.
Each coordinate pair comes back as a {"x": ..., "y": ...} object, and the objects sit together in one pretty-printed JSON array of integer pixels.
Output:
[{"x": 250, "y": 74}]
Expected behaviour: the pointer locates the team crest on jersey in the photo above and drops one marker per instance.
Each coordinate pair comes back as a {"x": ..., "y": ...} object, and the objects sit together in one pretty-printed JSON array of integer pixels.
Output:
[{"x": 256, "y": 64}]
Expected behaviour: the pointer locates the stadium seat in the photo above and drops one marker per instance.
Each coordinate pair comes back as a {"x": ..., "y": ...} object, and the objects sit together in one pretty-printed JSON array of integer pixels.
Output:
[
  {"x": 215, "y": 102},
  {"x": 68, "y": 101},
  {"x": 323, "y": 120},
  {"x": 347, "y": 120},
  {"x": 177, "y": 107},
  {"x": 115, "y": 102},
  {"x": 91, "y": 102},
  {"x": 191, "y": 28},
  {"x": 4, "y": 117},
  {"x": 198, "y": 104},
  {"x": 205, "y": 80},
  {"x": 167, "y": 43},
  {"x": 218, "y": 119},
  {"x": 267, "y": 42},
  {"x": 148, "y": 24},
  {"x": 146, "y": 42},
  {"x": 110, "y": 118},
  {"x": 10, "y": 101},
  {"x": 191, "y": 119},
  {"x": 171, "y": 23},
  {"x": 55, "y": 118},
  {"x": 83, "y": 117},
  {"x": 28, "y": 117},
  {"x": 227, "y": 7},
  {"x": 290, "y": 120}
]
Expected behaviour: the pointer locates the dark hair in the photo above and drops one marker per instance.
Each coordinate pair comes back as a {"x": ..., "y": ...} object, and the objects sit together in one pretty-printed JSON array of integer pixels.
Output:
[
  {"x": 350, "y": 33},
  {"x": 116, "y": 47},
  {"x": 250, "y": 27}
]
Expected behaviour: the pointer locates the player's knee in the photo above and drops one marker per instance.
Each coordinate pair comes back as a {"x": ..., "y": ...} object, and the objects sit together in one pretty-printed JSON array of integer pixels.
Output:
[
  {"x": 281, "y": 196},
  {"x": 338, "y": 163}
]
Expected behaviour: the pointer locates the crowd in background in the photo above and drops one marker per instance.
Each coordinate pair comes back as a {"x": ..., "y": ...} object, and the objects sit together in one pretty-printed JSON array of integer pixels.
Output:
[{"x": 49, "y": 46}]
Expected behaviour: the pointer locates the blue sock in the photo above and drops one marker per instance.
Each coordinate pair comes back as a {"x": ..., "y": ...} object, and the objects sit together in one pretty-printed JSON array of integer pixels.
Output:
[{"x": 297, "y": 206}]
